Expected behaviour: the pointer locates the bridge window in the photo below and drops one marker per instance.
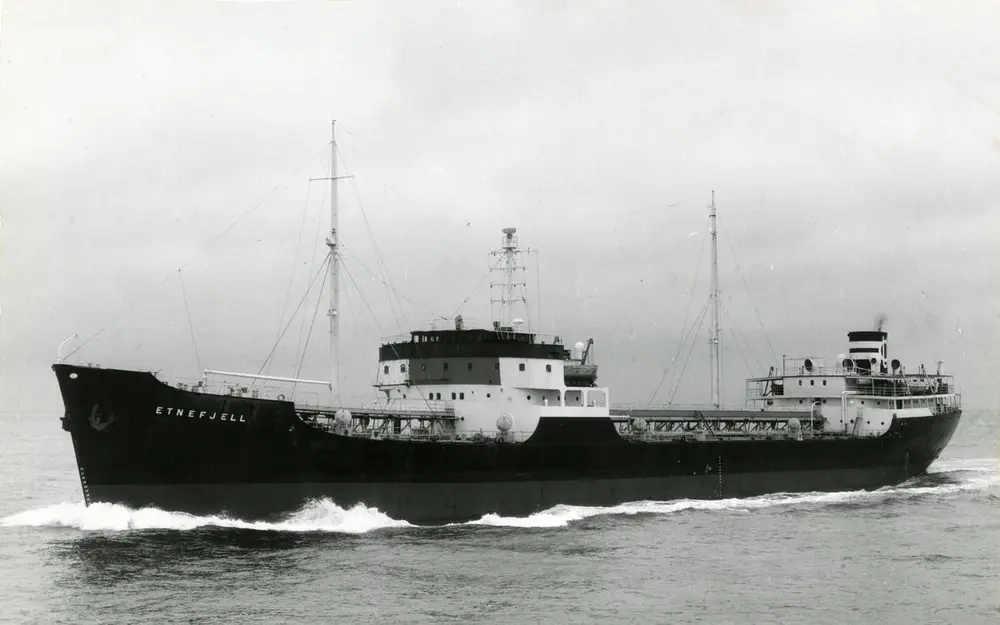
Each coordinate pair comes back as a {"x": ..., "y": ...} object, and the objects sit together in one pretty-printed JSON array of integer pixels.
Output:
[
  {"x": 386, "y": 369},
  {"x": 548, "y": 368},
  {"x": 423, "y": 366},
  {"x": 812, "y": 382},
  {"x": 824, "y": 382},
  {"x": 445, "y": 366},
  {"x": 402, "y": 368},
  {"x": 520, "y": 367},
  {"x": 453, "y": 396},
  {"x": 496, "y": 365},
  {"x": 470, "y": 366},
  {"x": 597, "y": 398},
  {"x": 800, "y": 382},
  {"x": 461, "y": 395}
]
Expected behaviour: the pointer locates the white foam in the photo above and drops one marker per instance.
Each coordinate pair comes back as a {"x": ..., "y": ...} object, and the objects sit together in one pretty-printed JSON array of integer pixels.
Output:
[
  {"x": 323, "y": 515},
  {"x": 316, "y": 516},
  {"x": 977, "y": 465},
  {"x": 560, "y": 516}
]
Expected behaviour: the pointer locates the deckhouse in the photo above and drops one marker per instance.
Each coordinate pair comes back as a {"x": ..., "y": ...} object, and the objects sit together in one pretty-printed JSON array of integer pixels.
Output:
[
  {"x": 860, "y": 393},
  {"x": 489, "y": 377}
]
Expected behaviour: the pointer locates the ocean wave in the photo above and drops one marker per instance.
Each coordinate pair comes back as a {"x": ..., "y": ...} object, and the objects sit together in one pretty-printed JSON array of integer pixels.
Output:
[{"x": 322, "y": 515}]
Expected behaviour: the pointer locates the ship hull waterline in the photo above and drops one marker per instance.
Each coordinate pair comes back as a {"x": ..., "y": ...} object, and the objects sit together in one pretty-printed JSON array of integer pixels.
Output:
[{"x": 142, "y": 443}]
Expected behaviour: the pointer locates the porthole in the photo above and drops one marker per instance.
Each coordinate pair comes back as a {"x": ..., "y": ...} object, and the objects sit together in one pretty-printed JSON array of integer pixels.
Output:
[
  {"x": 402, "y": 368},
  {"x": 385, "y": 369},
  {"x": 487, "y": 395},
  {"x": 800, "y": 401},
  {"x": 520, "y": 367},
  {"x": 445, "y": 366},
  {"x": 548, "y": 368},
  {"x": 812, "y": 382},
  {"x": 824, "y": 382},
  {"x": 800, "y": 382},
  {"x": 470, "y": 366},
  {"x": 529, "y": 397},
  {"x": 73, "y": 376}
]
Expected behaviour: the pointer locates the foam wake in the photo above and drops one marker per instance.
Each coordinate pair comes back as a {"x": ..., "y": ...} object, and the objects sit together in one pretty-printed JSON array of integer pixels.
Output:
[
  {"x": 944, "y": 477},
  {"x": 317, "y": 516}
]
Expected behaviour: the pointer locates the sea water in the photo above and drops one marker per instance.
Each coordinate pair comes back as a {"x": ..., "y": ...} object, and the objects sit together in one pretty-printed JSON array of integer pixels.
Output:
[{"x": 925, "y": 551}]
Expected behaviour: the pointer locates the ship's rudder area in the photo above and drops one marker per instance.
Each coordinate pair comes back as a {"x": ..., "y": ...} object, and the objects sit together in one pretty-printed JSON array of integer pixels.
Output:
[{"x": 919, "y": 441}]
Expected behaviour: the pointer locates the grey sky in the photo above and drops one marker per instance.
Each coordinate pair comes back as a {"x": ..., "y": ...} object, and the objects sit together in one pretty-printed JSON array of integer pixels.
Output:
[{"x": 854, "y": 149}]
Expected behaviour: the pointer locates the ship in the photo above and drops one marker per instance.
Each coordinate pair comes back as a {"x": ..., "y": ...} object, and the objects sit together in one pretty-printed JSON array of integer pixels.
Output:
[{"x": 497, "y": 420}]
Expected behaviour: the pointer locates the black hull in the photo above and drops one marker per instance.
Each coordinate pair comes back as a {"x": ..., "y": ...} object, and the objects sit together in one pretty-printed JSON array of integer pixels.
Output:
[{"x": 255, "y": 458}]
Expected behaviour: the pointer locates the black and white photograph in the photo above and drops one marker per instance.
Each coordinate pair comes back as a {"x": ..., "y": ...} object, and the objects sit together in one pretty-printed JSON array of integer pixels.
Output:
[{"x": 526, "y": 311}]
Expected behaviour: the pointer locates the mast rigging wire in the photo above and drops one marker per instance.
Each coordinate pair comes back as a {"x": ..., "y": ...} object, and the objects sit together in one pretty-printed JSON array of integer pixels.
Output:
[
  {"x": 142, "y": 297},
  {"x": 687, "y": 313},
  {"x": 379, "y": 259},
  {"x": 739, "y": 348},
  {"x": 312, "y": 265},
  {"x": 680, "y": 376},
  {"x": 680, "y": 347},
  {"x": 294, "y": 312},
  {"x": 479, "y": 284},
  {"x": 302, "y": 359},
  {"x": 295, "y": 259},
  {"x": 187, "y": 309},
  {"x": 746, "y": 286}
]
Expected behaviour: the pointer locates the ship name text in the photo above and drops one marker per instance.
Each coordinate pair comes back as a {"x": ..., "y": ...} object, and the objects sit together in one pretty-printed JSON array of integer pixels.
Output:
[{"x": 200, "y": 414}]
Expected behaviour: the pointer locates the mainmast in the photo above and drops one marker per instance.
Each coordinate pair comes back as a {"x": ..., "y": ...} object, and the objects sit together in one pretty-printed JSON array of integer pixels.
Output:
[
  {"x": 714, "y": 332},
  {"x": 332, "y": 243}
]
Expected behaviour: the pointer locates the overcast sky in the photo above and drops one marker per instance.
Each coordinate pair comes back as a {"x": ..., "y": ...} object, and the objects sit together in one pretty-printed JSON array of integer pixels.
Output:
[{"x": 854, "y": 149}]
